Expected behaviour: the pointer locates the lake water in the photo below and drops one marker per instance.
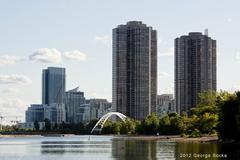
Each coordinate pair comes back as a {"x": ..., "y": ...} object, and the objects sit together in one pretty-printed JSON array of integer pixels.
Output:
[{"x": 109, "y": 147}]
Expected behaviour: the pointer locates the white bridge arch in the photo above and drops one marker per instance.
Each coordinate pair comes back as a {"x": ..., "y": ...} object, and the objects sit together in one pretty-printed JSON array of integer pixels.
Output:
[{"x": 104, "y": 118}]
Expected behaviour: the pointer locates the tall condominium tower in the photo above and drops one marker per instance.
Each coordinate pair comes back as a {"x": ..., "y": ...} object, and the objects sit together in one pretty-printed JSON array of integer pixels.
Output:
[
  {"x": 53, "y": 85},
  {"x": 195, "y": 68},
  {"x": 134, "y": 69}
]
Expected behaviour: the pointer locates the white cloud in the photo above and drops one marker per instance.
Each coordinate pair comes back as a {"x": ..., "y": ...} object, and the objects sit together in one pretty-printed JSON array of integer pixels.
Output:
[
  {"x": 46, "y": 55},
  {"x": 14, "y": 79},
  {"x": 10, "y": 91},
  {"x": 9, "y": 60},
  {"x": 168, "y": 53},
  {"x": 103, "y": 39},
  {"x": 75, "y": 55},
  {"x": 12, "y": 103},
  {"x": 163, "y": 75},
  {"x": 11, "y": 108}
]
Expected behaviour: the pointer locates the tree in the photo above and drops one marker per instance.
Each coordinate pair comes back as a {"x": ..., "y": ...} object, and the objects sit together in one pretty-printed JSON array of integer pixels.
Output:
[
  {"x": 90, "y": 125},
  {"x": 107, "y": 128},
  {"x": 63, "y": 126},
  {"x": 184, "y": 122},
  {"x": 130, "y": 126},
  {"x": 164, "y": 125},
  {"x": 150, "y": 124},
  {"x": 173, "y": 124},
  {"x": 177, "y": 124},
  {"x": 36, "y": 125},
  {"x": 116, "y": 127},
  {"x": 47, "y": 124},
  {"x": 229, "y": 127},
  {"x": 204, "y": 118},
  {"x": 79, "y": 128},
  {"x": 207, "y": 98},
  {"x": 55, "y": 126}
]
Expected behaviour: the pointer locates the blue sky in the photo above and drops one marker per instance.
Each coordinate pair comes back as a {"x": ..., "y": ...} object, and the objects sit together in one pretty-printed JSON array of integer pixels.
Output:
[{"x": 76, "y": 34}]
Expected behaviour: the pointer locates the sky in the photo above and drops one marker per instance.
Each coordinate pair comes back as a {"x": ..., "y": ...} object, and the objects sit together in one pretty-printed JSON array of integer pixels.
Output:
[{"x": 76, "y": 34}]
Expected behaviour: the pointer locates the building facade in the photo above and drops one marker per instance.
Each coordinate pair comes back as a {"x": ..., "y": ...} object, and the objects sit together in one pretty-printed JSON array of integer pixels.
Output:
[
  {"x": 73, "y": 99},
  {"x": 134, "y": 69},
  {"x": 53, "y": 85},
  {"x": 35, "y": 113},
  {"x": 195, "y": 68},
  {"x": 55, "y": 113},
  {"x": 165, "y": 104},
  {"x": 83, "y": 113},
  {"x": 38, "y": 112},
  {"x": 99, "y": 107}
]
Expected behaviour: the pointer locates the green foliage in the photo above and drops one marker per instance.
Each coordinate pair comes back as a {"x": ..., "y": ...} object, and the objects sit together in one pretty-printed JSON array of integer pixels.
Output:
[
  {"x": 229, "y": 127},
  {"x": 90, "y": 125},
  {"x": 107, "y": 128},
  {"x": 36, "y": 125},
  {"x": 130, "y": 126},
  {"x": 164, "y": 125},
  {"x": 195, "y": 133},
  {"x": 183, "y": 135},
  {"x": 205, "y": 117},
  {"x": 55, "y": 126},
  {"x": 216, "y": 113},
  {"x": 116, "y": 127},
  {"x": 173, "y": 124},
  {"x": 150, "y": 124},
  {"x": 47, "y": 124},
  {"x": 8, "y": 128},
  {"x": 207, "y": 98},
  {"x": 79, "y": 128}
]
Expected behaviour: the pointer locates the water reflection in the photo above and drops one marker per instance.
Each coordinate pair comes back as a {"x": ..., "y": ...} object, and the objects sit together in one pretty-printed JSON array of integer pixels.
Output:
[
  {"x": 134, "y": 149},
  {"x": 213, "y": 151},
  {"x": 196, "y": 150},
  {"x": 75, "y": 147},
  {"x": 106, "y": 147},
  {"x": 149, "y": 149}
]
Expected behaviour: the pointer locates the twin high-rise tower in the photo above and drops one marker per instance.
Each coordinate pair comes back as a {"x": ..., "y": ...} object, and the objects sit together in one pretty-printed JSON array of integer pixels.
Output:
[
  {"x": 195, "y": 69},
  {"x": 134, "y": 69}
]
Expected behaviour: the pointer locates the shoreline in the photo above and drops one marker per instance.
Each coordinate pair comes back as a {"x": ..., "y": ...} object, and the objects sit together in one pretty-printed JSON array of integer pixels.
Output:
[{"x": 173, "y": 138}]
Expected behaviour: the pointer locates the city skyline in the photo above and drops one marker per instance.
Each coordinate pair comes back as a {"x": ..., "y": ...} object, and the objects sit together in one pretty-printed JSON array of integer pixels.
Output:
[
  {"x": 61, "y": 106},
  {"x": 30, "y": 31}
]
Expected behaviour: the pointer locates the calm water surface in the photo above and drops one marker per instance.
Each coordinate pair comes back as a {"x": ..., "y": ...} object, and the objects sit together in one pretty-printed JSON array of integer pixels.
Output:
[{"x": 109, "y": 147}]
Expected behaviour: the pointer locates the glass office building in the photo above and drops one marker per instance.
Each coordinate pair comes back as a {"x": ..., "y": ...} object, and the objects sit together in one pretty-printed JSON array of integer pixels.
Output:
[{"x": 53, "y": 85}]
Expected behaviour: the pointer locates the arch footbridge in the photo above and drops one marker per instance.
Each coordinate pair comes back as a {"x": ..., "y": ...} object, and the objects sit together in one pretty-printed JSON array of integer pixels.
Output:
[{"x": 104, "y": 118}]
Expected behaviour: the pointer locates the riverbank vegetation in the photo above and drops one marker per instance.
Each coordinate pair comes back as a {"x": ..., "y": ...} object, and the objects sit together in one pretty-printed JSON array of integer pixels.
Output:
[{"x": 215, "y": 114}]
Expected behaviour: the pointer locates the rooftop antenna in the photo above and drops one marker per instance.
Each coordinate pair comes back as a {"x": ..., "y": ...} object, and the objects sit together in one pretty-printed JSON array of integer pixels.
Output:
[{"x": 206, "y": 32}]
